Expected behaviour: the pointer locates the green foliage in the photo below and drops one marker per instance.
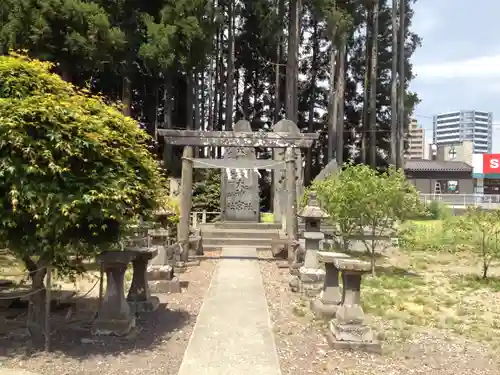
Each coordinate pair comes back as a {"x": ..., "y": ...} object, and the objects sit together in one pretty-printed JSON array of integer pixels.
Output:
[
  {"x": 437, "y": 210},
  {"x": 73, "y": 170},
  {"x": 21, "y": 77},
  {"x": 481, "y": 230},
  {"x": 360, "y": 198},
  {"x": 206, "y": 191},
  {"x": 170, "y": 40},
  {"x": 429, "y": 235},
  {"x": 71, "y": 32}
]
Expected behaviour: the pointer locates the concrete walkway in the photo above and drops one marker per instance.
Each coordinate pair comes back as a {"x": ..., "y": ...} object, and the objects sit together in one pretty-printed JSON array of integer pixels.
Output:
[
  {"x": 7, "y": 371},
  {"x": 233, "y": 332}
]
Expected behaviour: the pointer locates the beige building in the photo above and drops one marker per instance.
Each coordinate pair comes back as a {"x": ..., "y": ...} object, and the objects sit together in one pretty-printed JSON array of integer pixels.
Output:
[
  {"x": 416, "y": 141},
  {"x": 460, "y": 151}
]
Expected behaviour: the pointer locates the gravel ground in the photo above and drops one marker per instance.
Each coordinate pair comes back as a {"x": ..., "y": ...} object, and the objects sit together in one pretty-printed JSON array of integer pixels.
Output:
[
  {"x": 157, "y": 349},
  {"x": 302, "y": 347}
]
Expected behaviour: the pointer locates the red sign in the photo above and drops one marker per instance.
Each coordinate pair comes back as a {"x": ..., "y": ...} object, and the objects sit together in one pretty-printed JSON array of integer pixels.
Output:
[{"x": 491, "y": 163}]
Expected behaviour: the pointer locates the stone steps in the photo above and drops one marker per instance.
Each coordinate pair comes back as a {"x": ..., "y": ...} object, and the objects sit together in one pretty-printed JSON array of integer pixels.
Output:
[
  {"x": 243, "y": 225},
  {"x": 239, "y": 233},
  {"x": 239, "y": 241},
  {"x": 209, "y": 248}
]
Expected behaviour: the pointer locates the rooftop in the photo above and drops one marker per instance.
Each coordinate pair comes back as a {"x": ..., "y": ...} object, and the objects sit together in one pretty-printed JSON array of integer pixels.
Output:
[{"x": 424, "y": 165}]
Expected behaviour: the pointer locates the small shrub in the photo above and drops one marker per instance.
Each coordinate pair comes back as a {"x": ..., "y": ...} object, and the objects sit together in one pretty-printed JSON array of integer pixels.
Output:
[
  {"x": 438, "y": 210},
  {"x": 431, "y": 235}
]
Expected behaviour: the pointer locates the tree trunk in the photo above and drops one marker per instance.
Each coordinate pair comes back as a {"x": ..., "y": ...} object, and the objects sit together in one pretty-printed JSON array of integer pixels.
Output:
[
  {"x": 168, "y": 108},
  {"x": 334, "y": 115},
  {"x": 168, "y": 102},
  {"x": 339, "y": 93},
  {"x": 230, "y": 68},
  {"x": 189, "y": 100},
  {"x": 312, "y": 100},
  {"x": 210, "y": 93},
  {"x": 394, "y": 86},
  {"x": 331, "y": 99},
  {"x": 292, "y": 61},
  {"x": 197, "y": 100},
  {"x": 373, "y": 86},
  {"x": 366, "y": 89},
  {"x": 279, "y": 56},
  {"x": 66, "y": 73},
  {"x": 216, "y": 87},
  {"x": 36, "y": 311},
  {"x": 127, "y": 96},
  {"x": 220, "y": 102}
]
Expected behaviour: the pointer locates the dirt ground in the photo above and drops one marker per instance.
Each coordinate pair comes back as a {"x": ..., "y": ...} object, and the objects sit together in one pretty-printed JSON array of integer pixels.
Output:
[
  {"x": 430, "y": 314},
  {"x": 410, "y": 346},
  {"x": 157, "y": 349}
]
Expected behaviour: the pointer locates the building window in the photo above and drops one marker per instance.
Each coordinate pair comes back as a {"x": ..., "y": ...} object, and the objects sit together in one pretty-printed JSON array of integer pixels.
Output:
[{"x": 449, "y": 186}]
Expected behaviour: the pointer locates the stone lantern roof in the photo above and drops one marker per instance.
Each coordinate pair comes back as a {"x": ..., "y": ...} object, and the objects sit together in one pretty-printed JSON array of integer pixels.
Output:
[{"x": 312, "y": 210}]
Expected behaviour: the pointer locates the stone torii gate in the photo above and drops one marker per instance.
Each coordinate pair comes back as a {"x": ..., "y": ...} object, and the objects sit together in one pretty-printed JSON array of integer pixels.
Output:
[{"x": 240, "y": 196}]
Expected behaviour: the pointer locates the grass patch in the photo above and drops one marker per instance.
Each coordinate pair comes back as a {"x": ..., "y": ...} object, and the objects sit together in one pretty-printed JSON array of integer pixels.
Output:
[
  {"x": 442, "y": 293},
  {"x": 474, "y": 283}
]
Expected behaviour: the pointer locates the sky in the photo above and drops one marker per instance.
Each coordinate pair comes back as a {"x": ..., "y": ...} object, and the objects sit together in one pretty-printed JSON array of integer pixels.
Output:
[{"x": 458, "y": 64}]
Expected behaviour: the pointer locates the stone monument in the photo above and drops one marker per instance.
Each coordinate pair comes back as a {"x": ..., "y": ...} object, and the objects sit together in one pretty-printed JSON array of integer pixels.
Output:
[{"x": 240, "y": 188}]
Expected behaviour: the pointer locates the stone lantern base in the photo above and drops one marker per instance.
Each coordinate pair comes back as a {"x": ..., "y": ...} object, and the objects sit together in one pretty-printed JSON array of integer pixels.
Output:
[{"x": 311, "y": 281}]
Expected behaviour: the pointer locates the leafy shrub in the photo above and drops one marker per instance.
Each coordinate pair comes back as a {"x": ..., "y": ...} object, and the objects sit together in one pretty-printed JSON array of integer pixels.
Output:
[
  {"x": 480, "y": 230},
  {"x": 430, "y": 235},
  {"x": 359, "y": 198},
  {"x": 438, "y": 210},
  {"x": 74, "y": 171}
]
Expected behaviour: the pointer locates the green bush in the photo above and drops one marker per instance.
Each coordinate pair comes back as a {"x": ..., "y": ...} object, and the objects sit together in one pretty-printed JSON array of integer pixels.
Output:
[
  {"x": 430, "y": 235},
  {"x": 74, "y": 170},
  {"x": 438, "y": 210}
]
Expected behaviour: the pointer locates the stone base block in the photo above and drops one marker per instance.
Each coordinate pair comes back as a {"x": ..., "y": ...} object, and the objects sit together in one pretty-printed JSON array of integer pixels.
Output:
[
  {"x": 369, "y": 347},
  {"x": 323, "y": 310},
  {"x": 193, "y": 262},
  {"x": 294, "y": 284},
  {"x": 113, "y": 327},
  {"x": 311, "y": 289},
  {"x": 310, "y": 275},
  {"x": 294, "y": 268},
  {"x": 160, "y": 272},
  {"x": 165, "y": 286},
  {"x": 279, "y": 250},
  {"x": 282, "y": 264},
  {"x": 144, "y": 306},
  {"x": 294, "y": 271},
  {"x": 352, "y": 336},
  {"x": 180, "y": 267}
]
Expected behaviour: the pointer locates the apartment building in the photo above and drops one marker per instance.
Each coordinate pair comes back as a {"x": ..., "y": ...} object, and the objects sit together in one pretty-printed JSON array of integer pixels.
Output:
[
  {"x": 453, "y": 128},
  {"x": 415, "y": 141}
]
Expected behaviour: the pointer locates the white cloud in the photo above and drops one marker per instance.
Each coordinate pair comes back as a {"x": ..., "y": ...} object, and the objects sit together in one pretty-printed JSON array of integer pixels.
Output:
[{"x": 479, "y": 67}]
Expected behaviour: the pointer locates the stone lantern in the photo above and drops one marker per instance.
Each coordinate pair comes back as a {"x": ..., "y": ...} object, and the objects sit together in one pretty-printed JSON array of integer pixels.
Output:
[{"x": 310, "y": 275}]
